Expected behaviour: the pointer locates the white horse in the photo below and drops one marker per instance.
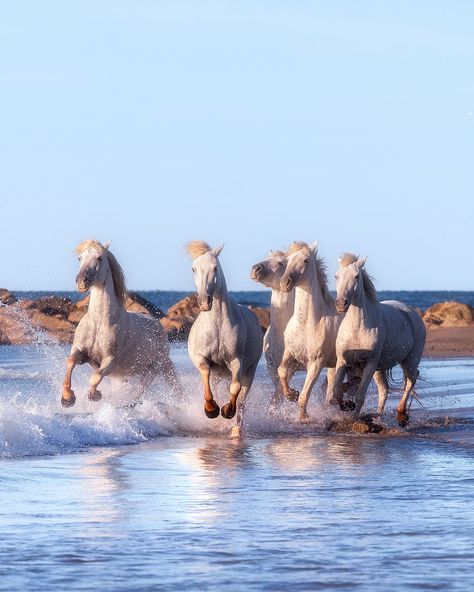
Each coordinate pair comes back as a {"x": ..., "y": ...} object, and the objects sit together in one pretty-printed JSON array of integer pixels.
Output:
[
  {"x": 269, "y": 273},
  {"x": 226, "y": 338},
  {"x": 310, "y": 335},
  {"x": 374, "y": 337},
  {"x": 110, "y": 339}
]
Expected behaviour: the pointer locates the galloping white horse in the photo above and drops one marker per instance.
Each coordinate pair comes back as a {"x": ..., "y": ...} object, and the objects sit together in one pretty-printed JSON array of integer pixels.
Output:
[
  {"x": 113, "y": 341},
  {"x": 310, "y": 335},
  {"x": 269, "y": 273},
  {"x": 226, "y": 338},
  {"x": 374, "y": 336}
]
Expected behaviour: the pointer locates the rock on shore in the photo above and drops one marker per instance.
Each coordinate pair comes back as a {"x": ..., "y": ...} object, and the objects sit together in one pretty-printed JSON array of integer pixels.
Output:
[{"x": 55, "y": 318}]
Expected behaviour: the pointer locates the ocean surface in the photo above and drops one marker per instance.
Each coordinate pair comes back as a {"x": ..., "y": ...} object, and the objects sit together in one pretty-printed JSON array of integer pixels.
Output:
[
  {"x": 158, "y": 497},
  {"x": 166, "y": 298}
]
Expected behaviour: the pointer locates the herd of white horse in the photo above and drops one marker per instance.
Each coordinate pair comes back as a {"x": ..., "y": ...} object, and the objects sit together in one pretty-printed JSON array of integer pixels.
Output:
[{"x": 354, "y": 336}]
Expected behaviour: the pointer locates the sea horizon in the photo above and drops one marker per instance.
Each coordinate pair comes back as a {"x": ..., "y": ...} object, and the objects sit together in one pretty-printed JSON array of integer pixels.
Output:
[{"x": 163, "y": 299}]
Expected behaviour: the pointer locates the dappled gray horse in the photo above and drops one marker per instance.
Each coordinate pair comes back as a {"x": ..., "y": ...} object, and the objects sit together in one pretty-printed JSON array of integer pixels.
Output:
[{"x": 374, "y": 337}]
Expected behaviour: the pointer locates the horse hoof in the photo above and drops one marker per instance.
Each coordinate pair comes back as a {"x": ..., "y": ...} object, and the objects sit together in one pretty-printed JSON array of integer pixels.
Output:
[
  {"x": 228, "y": 411},
  {"x": 68, "y": 402},
  {"x": 348, "y": 406},
  {"x": 402, "y": 418},
  {"x": 214, "y": 413},
  {"x": 292, "y": 395},
  {"x": 97, "y": 396}
]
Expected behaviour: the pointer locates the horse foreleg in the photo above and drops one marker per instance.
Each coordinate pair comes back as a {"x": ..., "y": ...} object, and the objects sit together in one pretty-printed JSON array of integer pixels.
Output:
[
  {"x": 106, "y": 367},
  {"x": 338, "y": 386},
  {"x": 382, "y": 388},
  {"x": 229, "y": 409},
  {"x": 312, "y": 373},
  {"x": 68, "y": 397},
  {"x": 211, "y": 408},
  {"x": 367, "y": 375},
  {"x": 330, "y": 378},
  {"x": 285, "y": 369}
]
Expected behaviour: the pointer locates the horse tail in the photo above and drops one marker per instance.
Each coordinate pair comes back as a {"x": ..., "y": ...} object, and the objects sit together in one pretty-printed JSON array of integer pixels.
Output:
[
  {"x": 400, "y": 385},
  {"x": 394, "y": 384}
]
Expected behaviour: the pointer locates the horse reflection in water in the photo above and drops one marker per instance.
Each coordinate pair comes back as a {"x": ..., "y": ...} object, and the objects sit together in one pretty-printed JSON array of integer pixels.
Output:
[{"x": 226, "y": 338}]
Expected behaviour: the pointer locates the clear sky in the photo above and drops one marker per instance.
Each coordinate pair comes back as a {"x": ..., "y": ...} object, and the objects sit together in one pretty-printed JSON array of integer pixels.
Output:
[{"x": 249, "y": 122}]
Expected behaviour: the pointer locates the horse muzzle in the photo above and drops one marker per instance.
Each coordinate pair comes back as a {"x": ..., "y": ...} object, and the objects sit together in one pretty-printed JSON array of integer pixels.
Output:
[
  {"x": 256, "y": 273},
  {"x": 205, "y": 303},
  {"x": 286, "y": 284},
  {"x": 342, "y": 304},
  {"x": 83, "y": 281}
]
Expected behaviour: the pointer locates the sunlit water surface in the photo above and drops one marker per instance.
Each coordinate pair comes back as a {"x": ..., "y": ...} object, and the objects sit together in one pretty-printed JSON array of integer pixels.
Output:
[{"x": 159, "y": 498}]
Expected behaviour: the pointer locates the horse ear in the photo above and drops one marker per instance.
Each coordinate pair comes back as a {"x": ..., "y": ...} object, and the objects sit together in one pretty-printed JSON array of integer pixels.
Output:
[
  {"x": 107, "y": 245},
  {"x": 216, "y": 251},
  {"x": 314, "y": 246},
  {"x": 361, "y": 262}
]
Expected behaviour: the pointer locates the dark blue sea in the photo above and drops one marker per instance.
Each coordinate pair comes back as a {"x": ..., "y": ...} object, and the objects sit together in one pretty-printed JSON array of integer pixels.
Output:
[{"x": 165, "y": 298}]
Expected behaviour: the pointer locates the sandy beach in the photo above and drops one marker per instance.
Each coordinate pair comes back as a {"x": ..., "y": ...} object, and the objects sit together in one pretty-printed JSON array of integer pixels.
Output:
[{"x": 449, "y": 342}]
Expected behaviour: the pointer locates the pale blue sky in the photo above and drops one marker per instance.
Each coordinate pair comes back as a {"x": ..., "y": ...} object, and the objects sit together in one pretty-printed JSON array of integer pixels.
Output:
[{"x": 251, "y": 123}]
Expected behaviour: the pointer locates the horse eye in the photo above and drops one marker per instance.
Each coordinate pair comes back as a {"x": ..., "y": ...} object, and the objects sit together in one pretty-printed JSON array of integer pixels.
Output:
[
  {"x": 99, "y": 258},
  {"x": 193, "y": 269},
  {"x": 281, "y": 264},
  {"x": 306, "y": 260},
  {"x": 215, "y": 268}
]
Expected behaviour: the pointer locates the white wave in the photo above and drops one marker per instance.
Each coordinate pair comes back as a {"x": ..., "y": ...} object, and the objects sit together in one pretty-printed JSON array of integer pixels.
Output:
[{"x": 33, "y": 423}]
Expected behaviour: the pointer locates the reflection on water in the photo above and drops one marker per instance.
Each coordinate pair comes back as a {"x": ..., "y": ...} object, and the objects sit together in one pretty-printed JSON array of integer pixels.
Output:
[
  {"x": 100, "y": 484},
  {"x": 287, "y": 508},
  {"x": 323, "y": 512}
]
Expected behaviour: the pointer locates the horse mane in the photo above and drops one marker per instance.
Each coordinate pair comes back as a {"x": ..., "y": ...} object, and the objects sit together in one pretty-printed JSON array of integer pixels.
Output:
[
  {"x": 116, "y": 270},
  {"x": 278, "y": 254},
  {"x": 321, "y": 269},
  {"x": 347, "y": 259},
  {"x": 196, "y": 248}
]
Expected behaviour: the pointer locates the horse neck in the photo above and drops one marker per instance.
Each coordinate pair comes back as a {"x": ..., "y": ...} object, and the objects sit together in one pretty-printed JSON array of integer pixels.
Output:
[
  {"x": 282, "y": 306},
  {"x": 221, "y": 301},
  {"x": 104, "y": 306},
  {"x": 362, "y": 309},
  {"x": 310, "y": 303}
]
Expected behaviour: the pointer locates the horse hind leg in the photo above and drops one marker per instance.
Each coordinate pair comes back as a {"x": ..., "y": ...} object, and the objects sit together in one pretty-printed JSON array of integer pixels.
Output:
[
  {"x": 229, "y": 409},
  {"x": 104, "y": 370},
  {"x": 411, "y": 374},
  {"x": 247, "y": 381}
]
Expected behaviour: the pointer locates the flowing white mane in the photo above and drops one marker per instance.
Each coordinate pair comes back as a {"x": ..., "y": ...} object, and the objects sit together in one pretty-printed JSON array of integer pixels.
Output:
[
  {"x": 115, "y": 268},
  {"x": 321, "y": 269}
]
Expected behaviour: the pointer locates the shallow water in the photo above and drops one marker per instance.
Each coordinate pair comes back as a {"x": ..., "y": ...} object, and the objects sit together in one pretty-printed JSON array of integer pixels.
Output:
[{"x": 158, "y": 497}]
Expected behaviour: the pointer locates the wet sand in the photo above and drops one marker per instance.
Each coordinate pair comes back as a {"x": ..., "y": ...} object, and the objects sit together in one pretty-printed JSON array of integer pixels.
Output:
[{"x": 449, "y": 342}]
